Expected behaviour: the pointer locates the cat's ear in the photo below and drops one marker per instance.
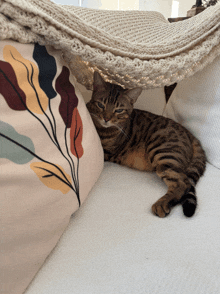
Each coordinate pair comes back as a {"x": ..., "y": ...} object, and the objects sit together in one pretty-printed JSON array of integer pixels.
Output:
[
  {"x": 98, "y": 82},
  {"x": 133, "y": 94}
]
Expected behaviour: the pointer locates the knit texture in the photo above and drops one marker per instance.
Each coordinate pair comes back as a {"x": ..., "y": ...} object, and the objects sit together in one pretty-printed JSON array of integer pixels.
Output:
[{"x": 131, "y": 48}]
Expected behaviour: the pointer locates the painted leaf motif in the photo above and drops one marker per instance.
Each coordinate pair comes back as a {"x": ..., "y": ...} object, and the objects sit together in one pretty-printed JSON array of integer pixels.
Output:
[
  {"x": 47, "y": 69},
  {"x": 76, "y": 133},
  {"x": 69, "y": 100},
  {"x": 12, "y": 151},
  {"x": 53, "y": 177},
  {"x": 9, "y": 88},
  {"x": 27, "y": 76}
]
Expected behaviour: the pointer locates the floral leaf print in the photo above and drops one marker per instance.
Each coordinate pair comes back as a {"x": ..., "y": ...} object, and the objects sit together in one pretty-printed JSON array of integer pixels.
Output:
[
  {"x": 9, "y": 88},
  {"x": 52, "y": 176},
  {"x": 11, "y": 151},
  {"x": 47, "y": 69},
  {"x": 69, "y": 100},
  {"x": 27, "y": 76},
  {"x": 76, "y": 133}
]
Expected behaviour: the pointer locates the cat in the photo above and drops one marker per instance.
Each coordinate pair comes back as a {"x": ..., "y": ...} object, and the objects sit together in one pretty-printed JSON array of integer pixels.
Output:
[{"x": 148, "y": 142}]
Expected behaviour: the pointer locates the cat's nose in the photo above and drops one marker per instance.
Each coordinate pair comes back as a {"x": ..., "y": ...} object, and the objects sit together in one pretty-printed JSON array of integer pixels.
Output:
[{"x": 106, "y": 119}]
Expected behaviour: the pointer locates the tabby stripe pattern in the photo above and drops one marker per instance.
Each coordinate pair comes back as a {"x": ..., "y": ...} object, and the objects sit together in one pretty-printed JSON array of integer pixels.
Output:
[{"x": 145, "y": 141}]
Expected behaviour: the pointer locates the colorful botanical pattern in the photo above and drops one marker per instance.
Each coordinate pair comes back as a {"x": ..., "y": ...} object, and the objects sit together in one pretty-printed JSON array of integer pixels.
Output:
[
  {"x": 26, "y": 86},
  {"x": 12, "y": 151}
]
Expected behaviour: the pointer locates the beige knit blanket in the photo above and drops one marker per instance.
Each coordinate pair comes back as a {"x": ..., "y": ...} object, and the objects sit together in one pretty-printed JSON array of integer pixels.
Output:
[{"x": 132, "y": 48}]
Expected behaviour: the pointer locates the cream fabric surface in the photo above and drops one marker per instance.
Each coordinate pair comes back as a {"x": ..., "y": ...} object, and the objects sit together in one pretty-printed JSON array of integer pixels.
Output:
[
  {"x": 50, "y": 157},
  {"x": 114, "y": 244},
  {"x": 132, "y": 48},
  {"x": 195, "y": 103}
]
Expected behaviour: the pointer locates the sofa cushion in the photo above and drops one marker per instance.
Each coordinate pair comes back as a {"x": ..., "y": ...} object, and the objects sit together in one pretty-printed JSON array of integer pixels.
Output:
[
  {"x": 195, "y": 103},
  {"x": 114, "y": 244},
  {"x": 50, "y": 157}
]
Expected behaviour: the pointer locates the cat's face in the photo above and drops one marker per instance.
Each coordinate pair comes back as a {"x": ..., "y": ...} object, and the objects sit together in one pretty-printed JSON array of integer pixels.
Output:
[{"x": 111, "y": 105}]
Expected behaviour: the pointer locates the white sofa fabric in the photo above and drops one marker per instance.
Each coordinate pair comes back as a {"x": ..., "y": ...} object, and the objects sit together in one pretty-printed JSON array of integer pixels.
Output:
[
  {"x": 195, "y": 103},
  {"x": 115, "y": 245}
]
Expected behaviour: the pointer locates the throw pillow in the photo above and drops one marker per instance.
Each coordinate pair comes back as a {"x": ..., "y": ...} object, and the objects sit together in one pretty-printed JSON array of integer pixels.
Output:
[
  {"x": 50, "y": 157},
  {"x": 195, "y": 103}
]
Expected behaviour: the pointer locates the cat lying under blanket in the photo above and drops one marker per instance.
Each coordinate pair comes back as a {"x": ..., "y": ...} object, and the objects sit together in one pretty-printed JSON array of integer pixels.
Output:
[{"x": 149, "y": 142}]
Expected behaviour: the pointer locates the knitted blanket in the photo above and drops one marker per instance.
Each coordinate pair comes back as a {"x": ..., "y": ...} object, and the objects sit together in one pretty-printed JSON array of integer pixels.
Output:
[{"x": 131, "y": 48}]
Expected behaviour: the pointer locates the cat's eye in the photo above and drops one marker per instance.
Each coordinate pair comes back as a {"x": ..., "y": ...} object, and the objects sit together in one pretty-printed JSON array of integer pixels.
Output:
[
  {"x": 119, "y": 110},
  {"x": 100, "y": 105}
]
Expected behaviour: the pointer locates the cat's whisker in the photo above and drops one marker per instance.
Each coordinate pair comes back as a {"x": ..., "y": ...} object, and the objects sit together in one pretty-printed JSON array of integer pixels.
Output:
[
  {"x": 98, "y": 118},
  {"x": 95, "y": 115},
  {"x": 112, "y": 125},
  {"x": 121, "y": 130}
]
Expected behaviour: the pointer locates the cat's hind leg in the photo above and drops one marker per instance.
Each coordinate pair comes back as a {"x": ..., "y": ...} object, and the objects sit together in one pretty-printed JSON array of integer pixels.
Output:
[{"x": 178, "y": 184}]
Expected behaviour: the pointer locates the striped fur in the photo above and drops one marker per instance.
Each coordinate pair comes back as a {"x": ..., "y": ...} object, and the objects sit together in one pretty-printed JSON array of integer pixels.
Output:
[{"x": 149, "y": 142}]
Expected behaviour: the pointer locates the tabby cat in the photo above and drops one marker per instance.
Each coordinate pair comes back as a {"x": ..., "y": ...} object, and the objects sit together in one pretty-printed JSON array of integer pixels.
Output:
[{"x": 149, "y": 142}]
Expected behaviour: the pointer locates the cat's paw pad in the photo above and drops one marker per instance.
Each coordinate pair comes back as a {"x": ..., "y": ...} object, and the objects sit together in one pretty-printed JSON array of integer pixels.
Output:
[{"x": 161, "y": 208}]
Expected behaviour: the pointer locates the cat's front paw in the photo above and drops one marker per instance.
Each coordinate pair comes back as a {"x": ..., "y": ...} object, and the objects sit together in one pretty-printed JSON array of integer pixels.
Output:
[{"x": 161, "y": 208}]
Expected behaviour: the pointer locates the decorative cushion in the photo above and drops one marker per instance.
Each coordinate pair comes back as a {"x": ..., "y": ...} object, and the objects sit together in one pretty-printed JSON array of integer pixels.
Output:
[
  {"x": 50, "y": 157},
  {"x": 195, "y": 103}
]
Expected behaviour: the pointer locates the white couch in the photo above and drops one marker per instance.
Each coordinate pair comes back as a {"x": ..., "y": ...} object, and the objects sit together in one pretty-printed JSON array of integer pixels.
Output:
[{"x": 115, "y": 245}]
